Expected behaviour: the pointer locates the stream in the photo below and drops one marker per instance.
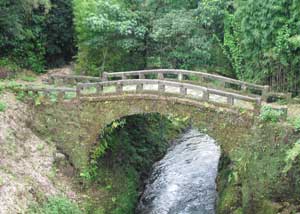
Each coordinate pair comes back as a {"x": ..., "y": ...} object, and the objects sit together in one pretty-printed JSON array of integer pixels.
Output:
[{"x": 184, "y": 181}]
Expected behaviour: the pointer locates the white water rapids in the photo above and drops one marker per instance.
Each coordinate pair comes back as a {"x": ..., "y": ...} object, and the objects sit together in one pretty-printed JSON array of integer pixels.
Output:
[{"x": 183, "y": 182}]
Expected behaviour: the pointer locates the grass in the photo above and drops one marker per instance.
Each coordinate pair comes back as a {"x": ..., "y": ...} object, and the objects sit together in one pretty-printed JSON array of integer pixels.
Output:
[
  {"x": 55, "y": 205},
  {"x": 28, "y": 78},
  {"x": 3, "y": 106},
  {"x": 296, "y": 124},
  {"x": 268, "y": 114}
]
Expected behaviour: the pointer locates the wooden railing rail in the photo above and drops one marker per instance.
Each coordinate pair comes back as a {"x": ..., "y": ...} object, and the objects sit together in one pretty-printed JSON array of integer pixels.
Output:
[
  {"x": 71, "y": 79},
  {"x": 180, "y": 75},
  {"x": 182, "y": 90},
  {"x": 60, "y": 92}
]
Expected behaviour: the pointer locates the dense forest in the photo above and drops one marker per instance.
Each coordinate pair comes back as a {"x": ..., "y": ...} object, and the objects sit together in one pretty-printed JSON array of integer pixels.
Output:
[{"x": 257, "y": 41}]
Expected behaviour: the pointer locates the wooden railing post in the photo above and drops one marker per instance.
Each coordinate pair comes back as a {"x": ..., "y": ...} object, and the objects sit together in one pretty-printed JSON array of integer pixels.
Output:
[
  {"x": 78, "y": 91},
  {"x": 161, "y": 87},
  {"x": 104, "y": 76},
  {"x": 183, "y": 90},
  {"x": 160, "y": 76},
  {"x": 180, "y": 76},
  {"x": 139, "y": 87},
  {"x": 223, "y": 84},
  {"x": 265, "y": 92},
  {"x": 257, "y": 106},
  {"x": 230, "y": 100},
  {"x": 119, "y": 87},
  {"x": 205, "y": 95},
  {"x": 244, "y": 87},
  {"x": 124, "y": 77},
  {"x": 141, "y": 76},
  {"x": 99, "y": 89}
]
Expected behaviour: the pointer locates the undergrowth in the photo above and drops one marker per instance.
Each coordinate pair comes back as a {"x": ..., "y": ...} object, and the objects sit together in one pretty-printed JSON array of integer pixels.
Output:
[
  {"x": 124, "y": 156},
  {"x": 55, "y": 205},
  {"x": 268, "y": 114}
]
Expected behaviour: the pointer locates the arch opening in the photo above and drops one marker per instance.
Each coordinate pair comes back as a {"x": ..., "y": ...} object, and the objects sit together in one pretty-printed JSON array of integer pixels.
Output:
[{"x": 123, "y": 154}]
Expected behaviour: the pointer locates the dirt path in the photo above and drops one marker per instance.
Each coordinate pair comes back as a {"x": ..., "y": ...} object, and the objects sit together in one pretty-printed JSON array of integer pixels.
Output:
[{"x": 27, "y": 165}]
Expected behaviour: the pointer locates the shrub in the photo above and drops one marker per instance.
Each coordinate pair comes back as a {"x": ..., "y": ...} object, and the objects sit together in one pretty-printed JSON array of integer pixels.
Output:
[
  {"x": 291, "y": 155},
  {"x": 2, "y": 106},
  {"x": 28, "y": 78},
  {"x": 296, "y": 124},
  {"x": 56, "y": 205},
  {"x": 9, "y": 65},
  {"x": 269, "y": 114}
]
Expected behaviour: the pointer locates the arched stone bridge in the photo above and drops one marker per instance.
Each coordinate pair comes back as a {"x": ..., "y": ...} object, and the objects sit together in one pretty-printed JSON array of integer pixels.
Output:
[
  {"x": 137, "y": 82},
  {"x": 75, "y": 121}
]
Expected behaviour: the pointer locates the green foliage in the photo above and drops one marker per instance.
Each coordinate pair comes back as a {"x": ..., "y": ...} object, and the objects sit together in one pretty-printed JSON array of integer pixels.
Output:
[
  {"x": 109, "y": 34},
  {"x": 60, "y": 47},
  {"x": 268, "y": 114},
  {"x": 35, "y": 31},
  {"x": 21, "y": 35},
  {"x": 261, "y": 40},
  {"x": 9, "y": 65},
  {"x": 56, "y": 205},
  {"x": 291, "y": 155},
  {"x": 184, "y": 41},
  {"x": 3, "y": 106},
  {"x": 296, "y": 124},
  {"x": 127, "y": 35},
  {"x": 127, "y": 149},
  {"x": 28, "y": 78}
]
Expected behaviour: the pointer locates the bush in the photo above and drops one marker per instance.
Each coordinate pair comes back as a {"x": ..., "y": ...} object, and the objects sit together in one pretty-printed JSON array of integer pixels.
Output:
[
  {"x": 2, "y": 106},
  {"x": 296, "y": 124},
  {"x": 28, "y": 78},
  {"x": 56, "y": 205},
  {"x": 9, "y": 64},
  {"x": 269, "y": 114}
]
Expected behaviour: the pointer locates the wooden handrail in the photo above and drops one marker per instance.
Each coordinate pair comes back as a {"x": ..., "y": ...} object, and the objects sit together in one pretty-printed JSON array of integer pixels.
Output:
[
  {"x": 162, "y": 84},
  {"x": 182, "y": 89},
  {"x": 180, "y": 73}
]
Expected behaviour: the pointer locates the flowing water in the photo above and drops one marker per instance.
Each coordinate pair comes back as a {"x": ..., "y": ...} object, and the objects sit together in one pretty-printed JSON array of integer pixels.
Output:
[{"x": 183, "y": 182}]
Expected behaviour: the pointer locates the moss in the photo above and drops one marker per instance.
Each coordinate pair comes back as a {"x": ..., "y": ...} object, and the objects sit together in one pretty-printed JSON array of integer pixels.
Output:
[
  {"x": 55, "y": 205},
  {"x": 259, "y": 165},
  {"x": 75, "y": 126},
  {"x": 229, "y": 200},
  {"x": 252, "y": 171},
  {"x": 117, "y": 170},
  {"x": 267, "y": 207}
]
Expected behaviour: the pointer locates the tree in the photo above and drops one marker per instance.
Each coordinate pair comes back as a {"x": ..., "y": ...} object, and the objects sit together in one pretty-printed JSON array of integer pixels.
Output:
[
  {"x": 109, "y": 35},
  {"x": 179, "y": 41},
  {"x": 259, "y": 38},
  {"x": 59, "y": 31}
]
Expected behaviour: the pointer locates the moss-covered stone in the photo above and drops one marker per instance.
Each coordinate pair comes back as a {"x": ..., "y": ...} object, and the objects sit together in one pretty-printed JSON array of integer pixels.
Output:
[
  {"x": 75, "y": 125},
  {"x": 251, "y": 181}
]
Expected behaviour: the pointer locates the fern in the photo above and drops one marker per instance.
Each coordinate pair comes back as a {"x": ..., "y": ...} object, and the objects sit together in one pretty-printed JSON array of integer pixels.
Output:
[{"x": 291, "y": 155}]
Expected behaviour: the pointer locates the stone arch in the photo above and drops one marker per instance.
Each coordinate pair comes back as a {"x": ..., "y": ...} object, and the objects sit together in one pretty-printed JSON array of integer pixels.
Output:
[{"x": 75, "y": 125}]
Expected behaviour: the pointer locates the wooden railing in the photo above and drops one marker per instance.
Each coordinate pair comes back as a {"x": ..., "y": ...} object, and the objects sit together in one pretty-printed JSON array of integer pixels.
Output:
[
  {"x": 185, "y": 90},
  {"x": 71, "y": 79},
  {"x": 60, "y": 93},
  {"x": 182, "y": 74}
]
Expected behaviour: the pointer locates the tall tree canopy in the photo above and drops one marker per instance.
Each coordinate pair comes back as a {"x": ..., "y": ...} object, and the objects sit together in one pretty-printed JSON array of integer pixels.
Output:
[
  {"x": 253, "y": 40},
  {"x": 110, "y": 35},
  {"x": 262, "y": 39},
  {"x": 35, "y": 32}
]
